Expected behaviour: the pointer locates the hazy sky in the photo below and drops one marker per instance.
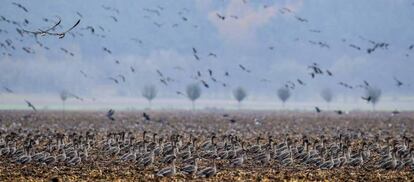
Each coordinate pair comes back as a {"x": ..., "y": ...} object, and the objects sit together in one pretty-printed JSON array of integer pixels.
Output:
[{"x": 261, "y": 35}]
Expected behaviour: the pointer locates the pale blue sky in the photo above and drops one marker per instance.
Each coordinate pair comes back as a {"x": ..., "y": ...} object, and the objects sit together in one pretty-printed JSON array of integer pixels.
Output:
[{"x": 245, "y": 40}]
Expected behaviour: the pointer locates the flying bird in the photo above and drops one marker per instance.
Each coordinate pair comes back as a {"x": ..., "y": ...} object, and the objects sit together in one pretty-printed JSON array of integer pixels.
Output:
[
  {"x": 355, "y": 46},
  {"x": 329, "y": 73},
  {"x": 8, "y": 90},
  {"x": 205, "y": 84},
  {"x": 146, "y": 116},
  {"x": 220, "y": 16},
  {"x": 90, "y": 28},
  {"x": 62, "y": 34},
  {"x": 179, "y": 93},
  {"x": 114, "y": 18},
  {"x": 300, "y": 82},
  {"x": 83, "y": 73},
  {"x": 366, "y": 83},
  {"x": 312, "y": 75},
  {"x": 159, "y": 73},
  {"x": 368, "y": 99},
  {"x": 20, "y": 6},
  {"x": 110, "y": 114},
  {"x": 164, "y": 82},
  {"x": 395, "y": 112},
  {"x": 244, "y": 68},
  {"x": 234, "y": 16},
  {"x": 301, "y": 19},
  {"x": 79, "y": 14},
  {"x": 398, "y": 82},
  {"x": 44, "y": 32},
  {"x": 154, "y": 11},
  {"x": 107, "y": 50},
  {"x": 210, "y": 72},
  {"x": 29, "y": 104},
  {"x": 114, "y": 79},
  {"x": 318, "y": 110},
  {"x": 196, "y": 57},
  {"x": 122, "y": 77},
  {"x": 212, "y": 54}
]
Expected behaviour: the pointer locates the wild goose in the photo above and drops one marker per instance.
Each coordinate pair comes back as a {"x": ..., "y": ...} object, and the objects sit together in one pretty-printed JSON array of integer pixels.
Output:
[
  {"x": 147, "y": 160},
  {"x": 168, "y": 171},
  {"x": 287, "y": 161},
  {"x": 185, "y": 154},
  {"x": 328, "y": 164},
  {"x": 357, "y": 161},
  {"x": 168, "y": 159},
  {"x": 130, "y": 156},
  {"x": 5, "y": 151},
  {"x": 190, "y": 169},
  {"x": 83, "y": 154},
  {"x": 38, "y": 156},
  {"x": 113, "y": 150},
  {"x": 223, "y": 153},
  {"x": 49, "y": 160},
  {"x": 75, "y": 160},
  {"x": 61, "y": 157},
  {"x": 237, "y": 161},
  {"x": 262, "y": 158},
  {"x": 26, "y": 158},
  {"x": 255, "y": 148},
  {"x": 208, "y": 171},
  {"x": 209, "y": 145},
  {"x": 209, "y": 154}
]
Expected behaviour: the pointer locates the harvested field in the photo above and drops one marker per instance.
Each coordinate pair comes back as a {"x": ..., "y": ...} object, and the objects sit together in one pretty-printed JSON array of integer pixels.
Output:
[{"x": 248, "y": 145}]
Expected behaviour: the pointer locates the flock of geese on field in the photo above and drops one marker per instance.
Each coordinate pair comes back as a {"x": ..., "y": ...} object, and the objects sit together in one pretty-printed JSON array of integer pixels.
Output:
[{"x": 205, "y": 156}]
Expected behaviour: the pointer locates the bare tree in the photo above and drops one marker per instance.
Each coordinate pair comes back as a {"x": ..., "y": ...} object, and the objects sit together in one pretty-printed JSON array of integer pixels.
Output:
[
  {"x": 193, "y": 93},
  {"x": 373, "y": 94},
  {"x": 283, "y": 94},
  {"x": 149, "y": 92},
  {"x": 239, "y": 94},
  {"x": 327, "y": 95},
  {"x": 64, "y": 95}
]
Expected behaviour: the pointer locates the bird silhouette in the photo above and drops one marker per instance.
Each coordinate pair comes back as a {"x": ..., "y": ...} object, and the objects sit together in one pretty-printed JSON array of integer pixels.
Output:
[
  {"x": 20, "y": 6},
  {"x": 146, "y": 116},
  {"x": 62, "y": 34},
  {"x": 244, "y": 68},
  {"x": 398, "y": 82},
  {"x": 368, "y": 99},
  {"x": 29, "y": 104},
  {"x": 220, "y": 16},
  {"x": 110, "y": 114}
]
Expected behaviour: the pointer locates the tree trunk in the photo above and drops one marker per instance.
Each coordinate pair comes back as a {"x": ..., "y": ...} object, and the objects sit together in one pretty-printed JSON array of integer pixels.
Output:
[
  {"x": 63, "y": 109},
  {"x": 193, "y": 104}
]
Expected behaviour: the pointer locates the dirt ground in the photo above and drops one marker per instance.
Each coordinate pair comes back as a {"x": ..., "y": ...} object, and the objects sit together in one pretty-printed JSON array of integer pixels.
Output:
[{"x": 246, "y": 124}]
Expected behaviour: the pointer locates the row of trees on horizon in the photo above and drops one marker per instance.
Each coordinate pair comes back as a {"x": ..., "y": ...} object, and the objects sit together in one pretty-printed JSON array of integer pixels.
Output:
[{"x": 194, "y": 91}]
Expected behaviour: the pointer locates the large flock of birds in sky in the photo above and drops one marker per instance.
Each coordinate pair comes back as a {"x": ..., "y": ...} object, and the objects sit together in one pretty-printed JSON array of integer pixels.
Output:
[{"x": 25, "y": 31}]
